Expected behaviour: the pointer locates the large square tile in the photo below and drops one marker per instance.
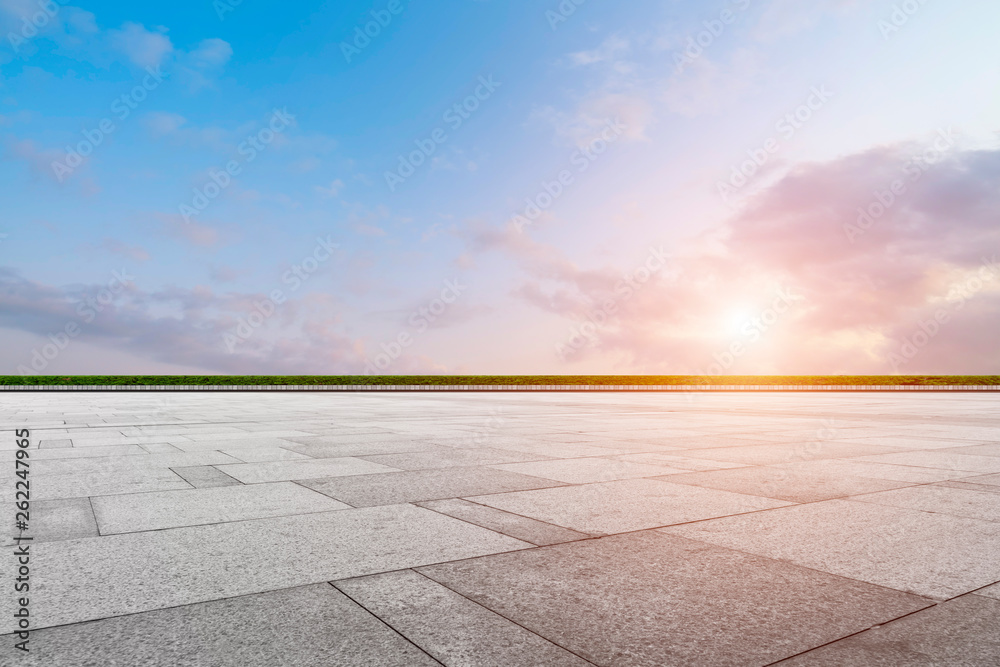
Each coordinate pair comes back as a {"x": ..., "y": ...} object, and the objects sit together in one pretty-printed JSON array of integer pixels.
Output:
[
  {"x": 411, "y": 486},
  {"x": 798, "y": 487},
  {"x": 935, "y": 555},
  {"x": 137, "y": 572},
  {"x": 194, "y": 507},
  {"x": 313, "y": 625},
  {"x": 618, "y": 507},
  {"x": 958, "y": 632},
  {"x": 641, "y": 599}
]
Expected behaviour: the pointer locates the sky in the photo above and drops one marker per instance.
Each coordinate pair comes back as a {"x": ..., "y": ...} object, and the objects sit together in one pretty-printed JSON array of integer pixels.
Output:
[{"x": 488, "y": 187}]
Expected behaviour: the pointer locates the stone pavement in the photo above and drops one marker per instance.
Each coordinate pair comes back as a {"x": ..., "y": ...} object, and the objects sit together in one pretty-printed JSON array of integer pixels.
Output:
[{"x": 506, "y": 529}]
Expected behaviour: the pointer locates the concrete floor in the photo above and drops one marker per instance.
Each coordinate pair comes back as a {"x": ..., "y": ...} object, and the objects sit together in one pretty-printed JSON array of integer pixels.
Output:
[{"x": 507, "y": 529}]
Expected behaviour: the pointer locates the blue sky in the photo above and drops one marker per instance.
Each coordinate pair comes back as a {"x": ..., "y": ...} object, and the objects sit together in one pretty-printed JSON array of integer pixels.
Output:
[{"x": 640, "y": 122}]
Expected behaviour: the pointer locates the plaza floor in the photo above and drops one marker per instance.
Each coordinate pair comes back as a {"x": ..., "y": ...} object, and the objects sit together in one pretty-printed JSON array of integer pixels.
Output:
[{"x": 507, "y": 529}]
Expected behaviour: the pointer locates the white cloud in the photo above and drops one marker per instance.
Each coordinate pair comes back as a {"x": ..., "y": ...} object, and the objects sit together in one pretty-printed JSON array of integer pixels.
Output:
[
  {"x": 143, "y": 47},
  {"x": 212, "y": 52},
  {"x": 607, "y": 51},
  {"x": 331, "y": 190}
]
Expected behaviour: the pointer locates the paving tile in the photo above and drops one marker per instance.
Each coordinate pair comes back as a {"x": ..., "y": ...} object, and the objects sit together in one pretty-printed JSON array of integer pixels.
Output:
[
  {"x": 329, "y": 451},
  {"x": 53, "y": 520},
  {"x": 788, "y": 453},
  {"x": 280, "y": 471},
  {"x": 940, "y": 499},
  {"x": 194, "y": 507},
  {"x": 856, "y": 468},
  {"x": 205, "y": 477},
  {"x": 354, "y": 439},
  {"x": 990, "y": 591},
  {"x": 126, "y": 463},
  {"x": 137, "y": 572},
  {"x": 54, "y": 444},
  {"x": 406, "y": 487},
  {"x": 957, "y": 633},
  {"x": 991, "y": 480},
  {"x": 985, "y": 488},
  {"x": 448, "y": 458},
  {"x": 80, "y": 452},
  {"x": 783, "y": 484},
  {"x": 449, "y": 627},
  {"x": 935, "y": 555},
  {"x": 583, "y": 471},
  {"x": 617, "y": 507},
  {"x": 263, "y": 454},
  {"x": 570, "y": 450},
  {"x": 215, "y": 444},
  {"x": 906, "y": 442},
  {"x": 514, "y": 525},
  {"x": 105, "y": 483},
  {"x": 991, "y": 449},
  {"x": 640, "y": 599},
  {"x": 160, "y": 448},
  {"x": 678, "y": 462},
  {"x": 942, "y": 460},
  {"x": 311, "y": 625}
]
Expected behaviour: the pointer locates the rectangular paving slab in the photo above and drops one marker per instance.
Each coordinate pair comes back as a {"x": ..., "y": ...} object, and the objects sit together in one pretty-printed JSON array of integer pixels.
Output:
[
  {"x": 263, "y": 454},
  {"x": 935, "y": 555},
  {"x": 787, "y": 453},
  {"x": 943, "y": 460},
  {"x": 963, "y": 631},
  {"x": 990, "y": 591},
  {"x": 447, "y": 458},
  {"x": 312, "y": 625},
  {"x": 105, "y": 483},
  {"x": 410, "y": 486},
  {"x": 205, "y": 477},
  {"x": 449, "y": 627},
  {"x": 194, "y": 507},
  {"x": 514, "y": 525},
  {"x": 137, "y": 572},
  {"x": 583, "y": 471},
  {"x": 798, "y": 487},
  {"x": 127, "y": 464},
  {"x": 617, "y": 507},
  {"x": 640, "y": 600},
  {"x": 857, "y": 468},
  {"x": 367, "y": 448},
  {"x": 281, "y": 471},
  {"x": 53, "y": 520},
  {"x": 945, "y": 500}
]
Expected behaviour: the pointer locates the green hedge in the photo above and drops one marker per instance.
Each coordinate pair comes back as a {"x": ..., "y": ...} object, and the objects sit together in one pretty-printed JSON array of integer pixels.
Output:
[{"x": 270, "y": 380}]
